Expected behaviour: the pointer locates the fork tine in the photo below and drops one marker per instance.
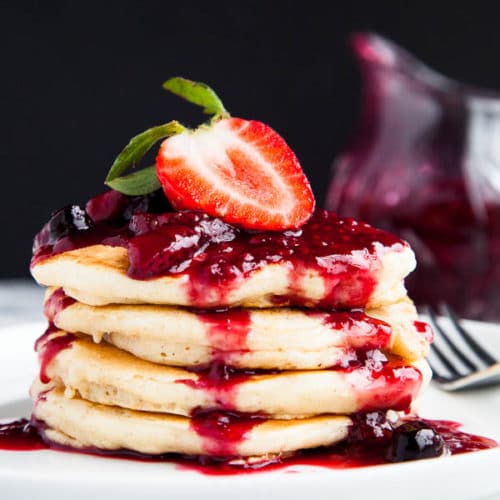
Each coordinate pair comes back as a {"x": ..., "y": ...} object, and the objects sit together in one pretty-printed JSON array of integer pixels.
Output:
[
  {"x": 437, "y": 377},
  {"x": 458, "y": 353},
  {"x": 478, "y": 350},
  {"x": 445, "y": 361},
  {"x": 436, "y": 373}
]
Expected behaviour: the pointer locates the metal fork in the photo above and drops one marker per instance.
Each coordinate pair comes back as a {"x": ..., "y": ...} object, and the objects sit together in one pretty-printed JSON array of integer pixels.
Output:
[{"x": 456, "y": 358}]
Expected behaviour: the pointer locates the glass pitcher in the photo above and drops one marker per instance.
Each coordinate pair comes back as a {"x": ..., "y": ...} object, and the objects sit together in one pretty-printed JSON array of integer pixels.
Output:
[{"x": 425, "y": 164}]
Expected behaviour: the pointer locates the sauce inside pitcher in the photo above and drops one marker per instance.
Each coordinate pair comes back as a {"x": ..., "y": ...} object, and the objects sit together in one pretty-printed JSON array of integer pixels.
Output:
[{"x": 425, "y": 164}]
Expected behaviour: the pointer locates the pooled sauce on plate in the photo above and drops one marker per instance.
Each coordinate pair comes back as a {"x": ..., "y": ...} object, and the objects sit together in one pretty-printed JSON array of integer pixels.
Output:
[{"x": 372, "y": 440}]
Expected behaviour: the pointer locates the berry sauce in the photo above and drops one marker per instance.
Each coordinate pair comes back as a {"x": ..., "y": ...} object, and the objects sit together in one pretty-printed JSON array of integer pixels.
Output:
[
  {"x": 20, "y": 435},
  {"x": 223, "y": 431},
  {"x": 57, "y": 302},
  {"x": 216, "y": 256},
  {"x": 226, "y": 332},
  {"x": 221, "y": 382},
  {"x": 358, "y": 329},
  {"x": 372, "y": 440},
  {"x": 49, "y": 347},
  {"x": 380, "y": 382},
  {"x": 376, "y": 380},
  {"x": 425, "y": 330}
]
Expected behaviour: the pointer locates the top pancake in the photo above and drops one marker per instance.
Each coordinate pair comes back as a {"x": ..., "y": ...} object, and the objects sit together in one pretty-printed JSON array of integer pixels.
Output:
[
  {"x": 192, "y": 259},
  {"x": 97, "y": 275}
]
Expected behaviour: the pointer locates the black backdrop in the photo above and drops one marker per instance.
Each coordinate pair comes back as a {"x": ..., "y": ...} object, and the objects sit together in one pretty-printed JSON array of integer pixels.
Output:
[{"x": 80, "y": 78}]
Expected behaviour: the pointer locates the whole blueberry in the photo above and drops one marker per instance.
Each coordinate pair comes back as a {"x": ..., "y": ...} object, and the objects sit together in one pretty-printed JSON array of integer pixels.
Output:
[
  {"x": 414, "y": 440},
  {"x": 64, "y": 222},
  {"x": 153, "y": 203}
]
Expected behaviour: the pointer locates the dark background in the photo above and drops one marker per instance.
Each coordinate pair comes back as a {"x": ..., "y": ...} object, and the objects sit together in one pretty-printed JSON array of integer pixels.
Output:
[{"x": 80, "y": 78}]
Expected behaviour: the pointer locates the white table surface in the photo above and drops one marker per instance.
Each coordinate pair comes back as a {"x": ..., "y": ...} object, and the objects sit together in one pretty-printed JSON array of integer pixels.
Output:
[{"x": 20, "y": 301}]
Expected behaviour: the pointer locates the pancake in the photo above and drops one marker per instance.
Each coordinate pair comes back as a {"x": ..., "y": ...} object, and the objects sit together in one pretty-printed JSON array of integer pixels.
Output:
[
  {"x": 355, "y": 280},
  {"x": 107, "y": 375},
  {"x": 280, "y": 338},
  {"x": 78, "y": 423}
]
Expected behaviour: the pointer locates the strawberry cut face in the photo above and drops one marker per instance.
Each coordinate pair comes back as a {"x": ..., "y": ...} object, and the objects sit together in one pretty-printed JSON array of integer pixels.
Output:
[{"x": 240, "y": 170}]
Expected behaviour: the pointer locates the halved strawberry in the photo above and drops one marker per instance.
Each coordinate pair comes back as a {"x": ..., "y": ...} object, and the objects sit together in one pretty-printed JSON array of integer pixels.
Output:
[{"x": 240, "y": 170}]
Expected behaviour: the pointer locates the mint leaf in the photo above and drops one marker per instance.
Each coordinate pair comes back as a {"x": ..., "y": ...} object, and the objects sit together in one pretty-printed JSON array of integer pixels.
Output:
[
  {"x": 139, "y": 146},
  {"x": 198, "y": 93},
  {"x": 138, "y": 183}
]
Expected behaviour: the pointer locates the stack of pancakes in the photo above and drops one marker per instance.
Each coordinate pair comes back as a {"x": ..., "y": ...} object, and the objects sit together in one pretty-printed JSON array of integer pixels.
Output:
[{"x": 132, "y": 364}]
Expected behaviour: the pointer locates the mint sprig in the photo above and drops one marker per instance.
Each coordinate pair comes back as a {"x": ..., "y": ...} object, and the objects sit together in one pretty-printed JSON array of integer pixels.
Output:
[
  {"x": 146, "y": 181},
  {"x": 197, "y": 93},
  {"x": 137, "y": 183},
  {"x": 139, "y": 145}
]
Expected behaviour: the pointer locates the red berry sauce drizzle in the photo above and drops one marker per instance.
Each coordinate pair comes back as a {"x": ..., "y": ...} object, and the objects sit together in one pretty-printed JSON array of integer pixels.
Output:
[
  {"x": 57, "y": 302},
  {"x": 222, "y": 431},
  {"x": 372, "y": 440},
  {"x": 358, "y": 329},
  {"x": 46, "y": 346},
  {"x": 21, "y": 435},
  {"x": 425, "y": 330},
  {"x": 382, "y": 382},
  {"x": 226, "y": 332},
  {"x": 49, "y": 347},
  {"x": 378, "y": 381},
  {"x": 221, "y": 382},
  {"x": 216, "y": 256}
]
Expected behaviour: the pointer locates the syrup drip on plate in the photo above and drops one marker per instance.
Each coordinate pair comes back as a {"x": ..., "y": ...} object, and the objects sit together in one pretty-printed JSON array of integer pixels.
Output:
[
  {"x": 20, "y": 435},
  {"x": 372, "y": 441}
]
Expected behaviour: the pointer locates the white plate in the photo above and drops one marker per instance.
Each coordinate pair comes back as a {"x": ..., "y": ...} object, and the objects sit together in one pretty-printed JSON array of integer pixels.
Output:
[{"x": 55, "y": 475}]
